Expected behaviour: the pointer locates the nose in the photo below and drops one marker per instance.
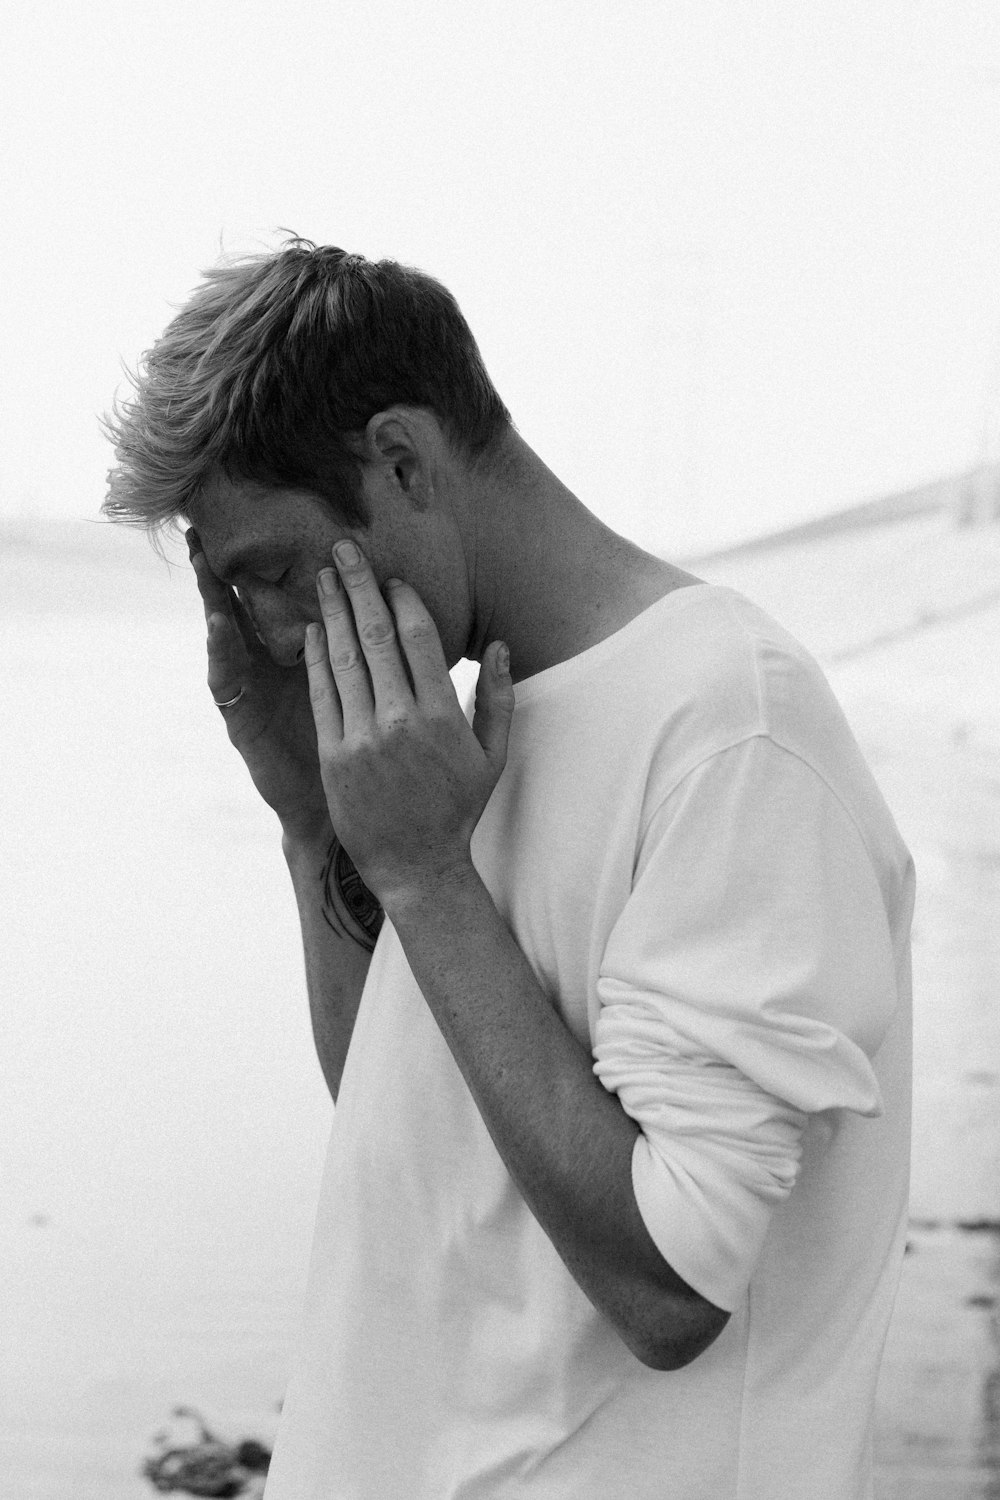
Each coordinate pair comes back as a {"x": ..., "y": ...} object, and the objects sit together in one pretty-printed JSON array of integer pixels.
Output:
[
  {"x": 285, "y": 648},
  {"x": 282, "y": 636}
]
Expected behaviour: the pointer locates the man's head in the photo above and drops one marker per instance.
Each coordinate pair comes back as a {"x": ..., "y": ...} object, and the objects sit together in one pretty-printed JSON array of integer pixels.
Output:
[{"x": 272, "y": 371}]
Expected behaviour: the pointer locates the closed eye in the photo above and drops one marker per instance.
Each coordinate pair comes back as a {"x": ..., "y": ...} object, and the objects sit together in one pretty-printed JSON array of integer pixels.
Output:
[{"x": 273, "y": 583}]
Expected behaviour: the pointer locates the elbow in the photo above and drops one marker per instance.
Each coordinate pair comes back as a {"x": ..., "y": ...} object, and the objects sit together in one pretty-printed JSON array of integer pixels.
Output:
[{"x": 682, "y": 1340}]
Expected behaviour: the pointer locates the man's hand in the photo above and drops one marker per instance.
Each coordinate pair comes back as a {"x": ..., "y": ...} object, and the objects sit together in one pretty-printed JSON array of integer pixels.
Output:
[
  {"x": 406, "y": 779},
  {"x": 271, "y": 724}
]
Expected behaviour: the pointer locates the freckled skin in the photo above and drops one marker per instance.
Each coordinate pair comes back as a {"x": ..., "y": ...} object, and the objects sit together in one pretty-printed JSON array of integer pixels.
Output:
[
  {"x": 502, "y": 554},
  {"x": 287, "y": 536},
  {"x": 508, "y": 555}
]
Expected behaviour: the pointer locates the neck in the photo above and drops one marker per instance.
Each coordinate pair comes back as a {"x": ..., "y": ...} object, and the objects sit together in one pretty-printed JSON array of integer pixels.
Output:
[{"x": 548, "y": 575}]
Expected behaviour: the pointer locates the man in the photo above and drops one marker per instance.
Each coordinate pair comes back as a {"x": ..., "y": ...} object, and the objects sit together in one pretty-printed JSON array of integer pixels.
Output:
[{"x": 611, "y": 986}]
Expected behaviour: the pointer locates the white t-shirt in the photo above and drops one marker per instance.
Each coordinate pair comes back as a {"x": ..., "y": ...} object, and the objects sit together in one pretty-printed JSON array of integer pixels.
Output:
[{"x": 697, "y": 863}]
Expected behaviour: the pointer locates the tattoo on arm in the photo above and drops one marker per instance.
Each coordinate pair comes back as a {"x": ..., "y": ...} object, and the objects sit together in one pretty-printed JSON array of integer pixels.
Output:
[{"x": 345, "y": 892}]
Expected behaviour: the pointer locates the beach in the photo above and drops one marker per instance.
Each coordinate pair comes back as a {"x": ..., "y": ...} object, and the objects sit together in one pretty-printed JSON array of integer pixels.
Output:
[
  {"x": 167, "y": 1118},
  {"x": 168, "y": 1115}
]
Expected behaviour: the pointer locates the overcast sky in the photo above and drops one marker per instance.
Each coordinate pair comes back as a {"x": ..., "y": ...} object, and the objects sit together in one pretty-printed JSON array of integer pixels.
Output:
[{"x": 730, "y": 264}]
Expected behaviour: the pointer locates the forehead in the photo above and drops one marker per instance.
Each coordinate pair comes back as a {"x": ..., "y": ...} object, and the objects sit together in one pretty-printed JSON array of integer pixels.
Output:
[
  {"x": 238, "y": 519},
  {"x": 227, "y": 507}
]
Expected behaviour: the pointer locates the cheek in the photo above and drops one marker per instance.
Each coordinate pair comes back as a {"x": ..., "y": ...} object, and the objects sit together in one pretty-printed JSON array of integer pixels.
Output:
[{"x": 300, "y": 597}]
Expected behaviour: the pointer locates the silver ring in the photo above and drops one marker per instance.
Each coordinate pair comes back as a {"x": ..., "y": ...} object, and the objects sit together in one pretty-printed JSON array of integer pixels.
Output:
[{"x": 231, "y": 701}]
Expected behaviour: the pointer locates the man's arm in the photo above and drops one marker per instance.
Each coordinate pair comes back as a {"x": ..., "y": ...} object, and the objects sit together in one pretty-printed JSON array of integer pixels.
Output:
[
  {"x": 406, "y": 780},
  {"x": 340, "y": 921},
  {"x": 565, "y": 1140}
]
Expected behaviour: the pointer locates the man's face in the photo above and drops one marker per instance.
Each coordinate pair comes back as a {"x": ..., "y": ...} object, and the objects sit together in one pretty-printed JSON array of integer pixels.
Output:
[{"x": 271, "y": 543}]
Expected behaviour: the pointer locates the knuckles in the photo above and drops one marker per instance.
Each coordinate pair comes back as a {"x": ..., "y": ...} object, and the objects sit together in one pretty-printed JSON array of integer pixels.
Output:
[
  {"x": 373, "y": 742},
  {"x": 319, "y": 693},
  {"x": 345, "y": 658},
  {"x": 378, "y": 632}
]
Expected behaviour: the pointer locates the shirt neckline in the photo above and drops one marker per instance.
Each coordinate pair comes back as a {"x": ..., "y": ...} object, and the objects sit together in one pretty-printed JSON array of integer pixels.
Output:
[{"x": 562, "y": 672}]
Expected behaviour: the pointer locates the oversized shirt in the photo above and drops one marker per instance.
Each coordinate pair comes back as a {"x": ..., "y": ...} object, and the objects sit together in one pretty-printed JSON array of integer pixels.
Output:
[{"x": 690, "y": 850}]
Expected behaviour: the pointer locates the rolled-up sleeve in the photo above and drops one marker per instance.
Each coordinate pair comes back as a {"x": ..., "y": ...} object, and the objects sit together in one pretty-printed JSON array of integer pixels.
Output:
[{"x": 746, "y": 985}]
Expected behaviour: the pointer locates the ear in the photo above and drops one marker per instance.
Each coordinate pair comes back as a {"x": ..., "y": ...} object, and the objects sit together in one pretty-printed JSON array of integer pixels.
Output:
[{"x": 396, "y": 440}]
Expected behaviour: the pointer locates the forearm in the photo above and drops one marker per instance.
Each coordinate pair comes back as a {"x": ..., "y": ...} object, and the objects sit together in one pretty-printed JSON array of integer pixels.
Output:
[
  {"x": 340, "y": 920},
  {"x": 565, "y": 1140}
]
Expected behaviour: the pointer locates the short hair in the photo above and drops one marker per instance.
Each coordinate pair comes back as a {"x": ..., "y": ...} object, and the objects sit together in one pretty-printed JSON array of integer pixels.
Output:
[{"x": 271, "y": 371}]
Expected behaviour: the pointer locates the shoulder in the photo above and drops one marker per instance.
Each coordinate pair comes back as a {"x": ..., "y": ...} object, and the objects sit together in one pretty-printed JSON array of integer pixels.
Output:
[
  {"x": 760, "y": 724},
  {"x": 723, "y": 671}
]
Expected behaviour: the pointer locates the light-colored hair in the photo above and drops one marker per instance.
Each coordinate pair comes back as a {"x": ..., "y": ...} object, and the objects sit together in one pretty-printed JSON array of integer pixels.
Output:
[{"x": 273, "y": 367}]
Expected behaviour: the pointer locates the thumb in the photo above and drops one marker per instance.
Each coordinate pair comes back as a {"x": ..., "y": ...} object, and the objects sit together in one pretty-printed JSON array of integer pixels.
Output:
[{"x": 494, "y": 706}]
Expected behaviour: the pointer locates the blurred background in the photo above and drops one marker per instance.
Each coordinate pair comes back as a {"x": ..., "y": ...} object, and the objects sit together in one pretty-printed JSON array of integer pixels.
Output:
[{"x": 734, "y": 269}]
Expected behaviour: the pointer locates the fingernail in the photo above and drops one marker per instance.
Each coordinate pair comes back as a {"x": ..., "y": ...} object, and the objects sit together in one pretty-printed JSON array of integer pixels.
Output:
[
  {"x": 328, "y": 581},
  {"x": 503, "y": 661},
  {"x": 347, "y": 553}
]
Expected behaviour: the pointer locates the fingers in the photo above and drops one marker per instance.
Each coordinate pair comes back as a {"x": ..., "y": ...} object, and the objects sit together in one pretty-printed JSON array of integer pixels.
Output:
[
  {"x": 421, "y": 645},
  {"x": 323, "y": 693},
  {"x": 363, "y": 650},
  {"x": 214, "y": 593},
  {"x": 227, "y": 660},
  {"x": 227, "y": 653},
  {"x": 216, "y": 596}
]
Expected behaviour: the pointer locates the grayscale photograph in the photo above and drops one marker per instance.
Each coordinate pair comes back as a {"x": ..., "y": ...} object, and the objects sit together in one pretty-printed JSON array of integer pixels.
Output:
[{"x": 500, "y": 679}]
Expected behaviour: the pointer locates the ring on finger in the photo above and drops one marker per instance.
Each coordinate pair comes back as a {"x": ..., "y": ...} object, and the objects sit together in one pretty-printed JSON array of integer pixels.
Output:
[{"x": 229, "y": 701}]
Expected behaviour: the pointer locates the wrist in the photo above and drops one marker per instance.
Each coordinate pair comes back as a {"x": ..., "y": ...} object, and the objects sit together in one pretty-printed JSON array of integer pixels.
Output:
[
  {"x": 431, "y": 893},
  {"x": 309, "y": 838}
]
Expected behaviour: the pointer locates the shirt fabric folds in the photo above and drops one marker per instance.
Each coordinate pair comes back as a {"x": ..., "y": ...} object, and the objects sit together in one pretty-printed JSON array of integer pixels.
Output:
[{"x": 695, "y": 859}]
